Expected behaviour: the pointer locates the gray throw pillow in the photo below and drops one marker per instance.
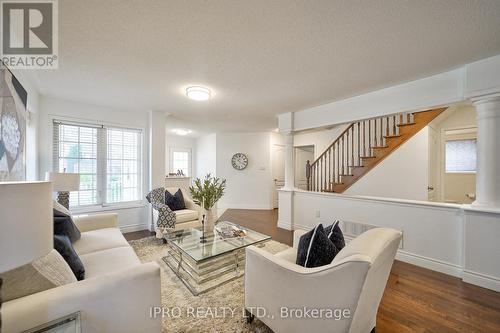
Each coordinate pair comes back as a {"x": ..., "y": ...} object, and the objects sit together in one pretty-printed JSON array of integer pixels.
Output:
[{"x": 63, "y": 223}]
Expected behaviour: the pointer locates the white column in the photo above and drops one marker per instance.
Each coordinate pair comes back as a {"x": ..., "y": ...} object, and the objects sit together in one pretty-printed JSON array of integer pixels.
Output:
[
  {"x": 156, "y": 161},
  {"x": 289, "y": 162},
  {"x": 488, "y": 151}
]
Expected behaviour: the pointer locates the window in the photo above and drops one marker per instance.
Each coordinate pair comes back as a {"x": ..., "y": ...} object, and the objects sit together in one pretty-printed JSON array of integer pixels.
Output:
[
  {"x": 460, "y": 155},
  {"x": 180, "y": 159},
  {"x": 108, "y": 160}
]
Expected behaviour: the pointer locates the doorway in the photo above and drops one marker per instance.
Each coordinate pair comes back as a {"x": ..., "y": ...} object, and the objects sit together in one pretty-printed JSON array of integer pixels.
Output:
[
  {"x": 459, "y": 165},
  {"x": 302, "y": 155}
]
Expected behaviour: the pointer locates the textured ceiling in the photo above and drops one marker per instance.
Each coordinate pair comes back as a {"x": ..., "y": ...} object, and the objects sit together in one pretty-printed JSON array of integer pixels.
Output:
[{"x": 260, "y": 58}]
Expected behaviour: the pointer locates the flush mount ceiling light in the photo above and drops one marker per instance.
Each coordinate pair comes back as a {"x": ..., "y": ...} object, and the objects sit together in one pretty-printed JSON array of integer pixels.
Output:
[
  {"x": 198, "y": 93},
  {"x": 180, "y": 131}
]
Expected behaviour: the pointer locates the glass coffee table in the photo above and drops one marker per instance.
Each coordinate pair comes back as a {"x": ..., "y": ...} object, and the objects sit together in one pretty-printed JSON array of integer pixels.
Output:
[{"x": 202, "y": 266}]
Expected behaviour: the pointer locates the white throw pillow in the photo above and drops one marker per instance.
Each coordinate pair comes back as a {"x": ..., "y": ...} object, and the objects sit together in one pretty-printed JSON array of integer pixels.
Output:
[{"x": 44, "y": 273}]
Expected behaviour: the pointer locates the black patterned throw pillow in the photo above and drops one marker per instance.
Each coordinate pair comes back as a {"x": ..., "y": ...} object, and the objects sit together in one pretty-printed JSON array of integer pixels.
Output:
[
  {"x": 176, "y": 201},
  {"x": 315, "y": 248},
  {"x": 335, "y": 234}
]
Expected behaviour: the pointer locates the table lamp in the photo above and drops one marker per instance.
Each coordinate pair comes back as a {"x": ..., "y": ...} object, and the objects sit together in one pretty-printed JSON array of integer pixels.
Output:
[
  {"x": 26, "y": 223},
  {"x": 63, "y": 184}
]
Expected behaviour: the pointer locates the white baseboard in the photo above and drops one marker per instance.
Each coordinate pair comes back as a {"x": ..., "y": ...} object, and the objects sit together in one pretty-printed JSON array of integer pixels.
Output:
[
  {"x": 482, "y": 280},
  {"x": 134, "y": 227},
  {"x": 429, "y": 263},
  {"x": 426, "y": 262},
  {"x": 284, "y": 225}
]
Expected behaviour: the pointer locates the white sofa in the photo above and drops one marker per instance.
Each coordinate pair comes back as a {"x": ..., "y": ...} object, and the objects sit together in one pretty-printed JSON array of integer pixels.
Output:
[
  {"x": 115, "y": 296},
  {"x": 355, "y": 280}
]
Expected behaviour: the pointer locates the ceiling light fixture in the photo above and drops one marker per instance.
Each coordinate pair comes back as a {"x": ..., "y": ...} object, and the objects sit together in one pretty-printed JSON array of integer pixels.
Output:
[
  {"x": 180, "y": 131},
  {"x": 198, "y": 93}
]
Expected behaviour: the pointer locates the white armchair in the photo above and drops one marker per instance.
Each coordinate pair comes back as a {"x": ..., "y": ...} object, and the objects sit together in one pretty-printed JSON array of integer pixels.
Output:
[{"x": 275, "y": 287}]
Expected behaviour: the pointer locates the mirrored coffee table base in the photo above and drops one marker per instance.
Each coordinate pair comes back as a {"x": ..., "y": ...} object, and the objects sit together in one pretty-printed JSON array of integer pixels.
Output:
[{"x": 212, "y": 268}]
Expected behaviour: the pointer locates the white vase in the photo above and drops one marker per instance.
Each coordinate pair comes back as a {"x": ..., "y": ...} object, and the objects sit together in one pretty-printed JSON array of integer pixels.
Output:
[{"x": 210, "y": 219}]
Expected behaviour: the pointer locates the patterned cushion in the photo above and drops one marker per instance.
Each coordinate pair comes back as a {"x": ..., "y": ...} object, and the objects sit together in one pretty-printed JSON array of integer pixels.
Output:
[
  {"x": 156, "y": 196},
  {"x": 166, "y": 217}
]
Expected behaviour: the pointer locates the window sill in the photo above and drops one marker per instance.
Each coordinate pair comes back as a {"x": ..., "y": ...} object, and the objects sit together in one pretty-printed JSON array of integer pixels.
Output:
[{"x": 97, "y": 209}]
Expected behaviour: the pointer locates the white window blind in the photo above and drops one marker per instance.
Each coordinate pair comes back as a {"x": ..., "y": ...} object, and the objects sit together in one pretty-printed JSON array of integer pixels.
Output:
[
  {"x": 461, "y": 155},
  {"x": 108, "y": 160}
]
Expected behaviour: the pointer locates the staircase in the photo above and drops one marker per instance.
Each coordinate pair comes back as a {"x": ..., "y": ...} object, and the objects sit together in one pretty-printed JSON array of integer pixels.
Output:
[{"x": 362, "y": 146}]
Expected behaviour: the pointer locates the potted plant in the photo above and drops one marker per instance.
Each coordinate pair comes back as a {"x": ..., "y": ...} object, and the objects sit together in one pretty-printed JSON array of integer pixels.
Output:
[{"x": 206, "y": 193}]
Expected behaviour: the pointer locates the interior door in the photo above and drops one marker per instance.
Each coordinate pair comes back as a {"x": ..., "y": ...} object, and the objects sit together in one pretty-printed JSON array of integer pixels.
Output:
[
  {"x": 278, "y": 171},
  {"x": 433, "y": 165}
]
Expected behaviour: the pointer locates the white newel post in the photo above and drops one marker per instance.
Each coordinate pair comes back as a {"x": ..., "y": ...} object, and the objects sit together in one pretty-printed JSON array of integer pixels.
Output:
[
  {"x": 488, "y": 151},
  {"x": 289, "y": 162}
]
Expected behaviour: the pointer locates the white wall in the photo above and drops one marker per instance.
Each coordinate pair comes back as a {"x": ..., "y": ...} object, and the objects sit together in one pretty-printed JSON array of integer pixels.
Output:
[
  {"x": 250, "y": 188},
  {"x": 458, "y": 240},
  {"x": 130, "y": 219},
  {"x": 469, "y": 81},
  {"x": 320, "y": 139},
  {"x": 177, "y": 141},
  {"x": 206, "y": 155},
  {"x": 403, "y": 174},
  {"x": 432, "y": 235},
  {"x": 456, "y": 117}
]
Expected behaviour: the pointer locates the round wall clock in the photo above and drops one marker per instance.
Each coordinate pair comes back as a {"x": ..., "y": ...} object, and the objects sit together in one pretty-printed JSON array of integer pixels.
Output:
[{"x": 239, "y": 161}]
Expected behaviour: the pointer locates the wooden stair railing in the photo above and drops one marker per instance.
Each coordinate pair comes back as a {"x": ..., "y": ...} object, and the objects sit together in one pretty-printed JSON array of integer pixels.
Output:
[{"x": 361, "y": 146}]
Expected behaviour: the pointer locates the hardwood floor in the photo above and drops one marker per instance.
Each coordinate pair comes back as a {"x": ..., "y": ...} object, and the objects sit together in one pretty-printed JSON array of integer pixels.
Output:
[{"x": 415, "y": 299}]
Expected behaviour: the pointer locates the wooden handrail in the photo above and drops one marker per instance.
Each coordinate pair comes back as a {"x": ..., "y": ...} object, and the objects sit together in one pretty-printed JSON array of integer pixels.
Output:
[
  {"x": 334, "y": 142},
  {"x": 362, "y": 145}
]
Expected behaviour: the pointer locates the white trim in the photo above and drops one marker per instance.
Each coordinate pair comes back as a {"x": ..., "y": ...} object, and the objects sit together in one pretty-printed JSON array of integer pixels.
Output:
[
  {"x": 394, "y": 201},
  {"x": 98, "y": 208},
  {"x": 285, "y": 225},
  {"x": 482, "y": 280},
  {"x": 133, "y": 227},
  {"x": 429, "y": 263}
]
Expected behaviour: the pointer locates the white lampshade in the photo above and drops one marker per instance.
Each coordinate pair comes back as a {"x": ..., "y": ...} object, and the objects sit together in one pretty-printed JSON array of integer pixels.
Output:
[
  {"x": 64, "y": 181},
  {"x": 26, "y": 223}
]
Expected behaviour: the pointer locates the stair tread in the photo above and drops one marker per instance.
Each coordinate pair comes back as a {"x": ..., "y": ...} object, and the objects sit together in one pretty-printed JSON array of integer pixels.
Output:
[
  {"x": 407, "y": 124},
  {"x": 356, "y": 166},
  {"x": 379, "y": 147},
  {"x": 392, "y": 136},
  {"x": 368, "y": 157}
]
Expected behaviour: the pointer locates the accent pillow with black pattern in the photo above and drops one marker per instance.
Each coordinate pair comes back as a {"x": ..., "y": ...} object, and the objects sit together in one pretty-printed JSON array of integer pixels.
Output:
[
  {"x": 315, "y": 248},
  {"x": 63, "y": 223},
  {"x": 335, "y": 234},
  {"x": 176, "y": 201}
]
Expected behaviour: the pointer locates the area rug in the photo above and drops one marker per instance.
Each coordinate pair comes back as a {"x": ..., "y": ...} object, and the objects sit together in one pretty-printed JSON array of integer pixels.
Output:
[{"x": 218, "y": 310}]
